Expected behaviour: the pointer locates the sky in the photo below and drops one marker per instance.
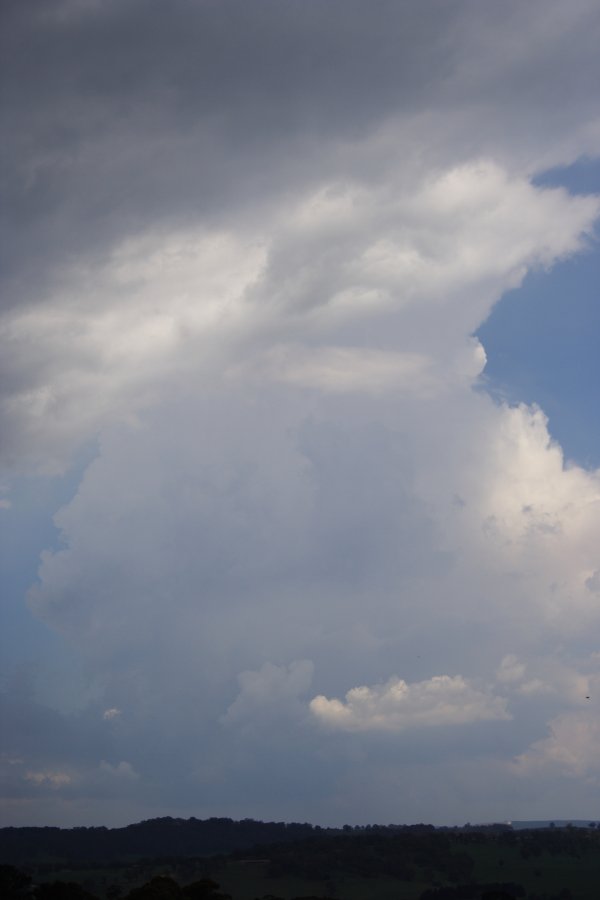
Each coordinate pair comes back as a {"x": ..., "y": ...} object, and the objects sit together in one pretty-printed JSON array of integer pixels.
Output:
[{"x": 299, "y": 441}]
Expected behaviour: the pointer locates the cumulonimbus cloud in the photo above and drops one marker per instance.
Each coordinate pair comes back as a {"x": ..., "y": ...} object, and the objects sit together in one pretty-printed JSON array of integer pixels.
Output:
[{"x": 260, "y": 300}]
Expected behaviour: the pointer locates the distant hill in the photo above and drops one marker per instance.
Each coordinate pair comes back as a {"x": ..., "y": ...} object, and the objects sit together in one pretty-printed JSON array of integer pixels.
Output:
[
  {"x": 193, "y": 838},
  {"x": 164, "y": 837},
  {"x": 167, "y": 838},
  {"x": 548, "y": 823}
]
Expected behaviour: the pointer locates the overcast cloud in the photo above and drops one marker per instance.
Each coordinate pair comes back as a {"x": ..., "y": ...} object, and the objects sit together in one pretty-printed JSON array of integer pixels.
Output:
[{"x": 313, "y": 570}]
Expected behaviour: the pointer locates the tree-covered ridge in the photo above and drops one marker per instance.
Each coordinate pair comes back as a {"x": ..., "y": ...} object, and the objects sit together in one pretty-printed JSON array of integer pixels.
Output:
[{"x": 151, "y": 838}]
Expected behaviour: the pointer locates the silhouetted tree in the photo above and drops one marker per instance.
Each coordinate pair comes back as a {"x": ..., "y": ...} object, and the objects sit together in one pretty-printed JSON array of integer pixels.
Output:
[
  {"x": 204, "y": 889},
  {"x": 62, "y": 890},
  {"x": 13, "y": 883},
  {"x": 161, "y": 887}
]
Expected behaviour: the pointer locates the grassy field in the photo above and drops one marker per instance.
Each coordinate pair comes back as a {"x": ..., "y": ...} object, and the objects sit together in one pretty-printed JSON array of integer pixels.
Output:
[
  {"x": 543, "y": 874},
  {"x": 572, "y": 868},
  {"x": 245, "y": 882}
]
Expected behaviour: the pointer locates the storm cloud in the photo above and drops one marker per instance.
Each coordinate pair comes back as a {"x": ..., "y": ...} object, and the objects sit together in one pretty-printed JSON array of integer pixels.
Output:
[{"x": 247, "y": 250}]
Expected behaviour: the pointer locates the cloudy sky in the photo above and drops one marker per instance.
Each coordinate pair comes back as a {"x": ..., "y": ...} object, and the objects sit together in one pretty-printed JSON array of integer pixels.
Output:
[{"x": 300, "y": 497}]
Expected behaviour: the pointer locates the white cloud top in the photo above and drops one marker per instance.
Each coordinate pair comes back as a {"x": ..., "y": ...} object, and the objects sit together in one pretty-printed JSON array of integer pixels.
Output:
[
  {"x": 272, "y": 689},
  {"x": 435, "y": 254},
  {"x": 396, "y": 705}
]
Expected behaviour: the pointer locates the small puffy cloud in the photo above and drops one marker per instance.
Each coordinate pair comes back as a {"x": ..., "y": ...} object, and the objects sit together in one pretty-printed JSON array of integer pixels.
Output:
[
  {"x": 533, "y": 687},
  {"x": 55, "y": 780},
  {"x": 510, "y": 670},
  {"x": 396, "y": 705},
  {"x": 546, "y": 676},
  {"x": 571, "y": 748},
  {"x": 593, "y": 582},
  {"x": 7, "y": 760},
  {"x": 271, "y": 689},
  {"x": 111, "y": 713},
  {"x": 121, "y": 770}
]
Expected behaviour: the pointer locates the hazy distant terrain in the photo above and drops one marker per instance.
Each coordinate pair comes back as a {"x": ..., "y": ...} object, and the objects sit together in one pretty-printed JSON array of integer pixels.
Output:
[{"x": 548, "y": 823}]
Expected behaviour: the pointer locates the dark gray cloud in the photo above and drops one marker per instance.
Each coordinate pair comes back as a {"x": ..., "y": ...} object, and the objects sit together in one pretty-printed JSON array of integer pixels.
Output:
[
  {"x": 117, "y": 114},
  {"x": 120, "y": 113}
]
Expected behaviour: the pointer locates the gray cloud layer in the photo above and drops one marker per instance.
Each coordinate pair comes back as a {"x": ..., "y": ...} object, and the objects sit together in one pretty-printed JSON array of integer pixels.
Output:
[{"x": 248, "y": 247}]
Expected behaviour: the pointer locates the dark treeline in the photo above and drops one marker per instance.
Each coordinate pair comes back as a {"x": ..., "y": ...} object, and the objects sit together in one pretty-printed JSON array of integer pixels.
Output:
[
  {"x": 144, "y": 840},
  {"x": 169, "y": 837}
]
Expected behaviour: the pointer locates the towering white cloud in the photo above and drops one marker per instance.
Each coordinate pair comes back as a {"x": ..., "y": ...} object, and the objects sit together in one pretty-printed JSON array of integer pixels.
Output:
[{"x": 262, "y": 308}]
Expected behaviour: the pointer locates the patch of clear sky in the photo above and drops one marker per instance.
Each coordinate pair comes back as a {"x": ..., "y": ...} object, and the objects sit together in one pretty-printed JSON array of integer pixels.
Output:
[
  {"x": 26, "y": 529},
  {"x": 543, "y": 339}
]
